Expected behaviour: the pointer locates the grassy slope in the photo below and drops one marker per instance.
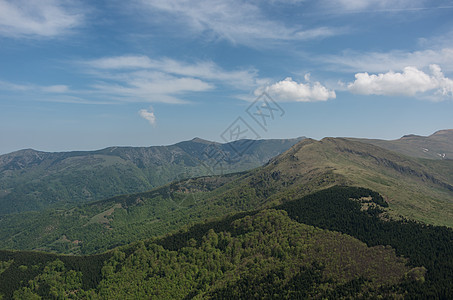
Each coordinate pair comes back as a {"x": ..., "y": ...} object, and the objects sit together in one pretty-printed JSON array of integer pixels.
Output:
[
  {"x": 414, "y": 189},
  {"x": 441, "y": 142}
]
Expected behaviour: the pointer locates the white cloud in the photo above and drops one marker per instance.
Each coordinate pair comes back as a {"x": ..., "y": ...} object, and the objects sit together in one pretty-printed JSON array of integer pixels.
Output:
[
  {"x": 44, "y": 18},
  {"x": 56, "y": 89},
  {"x": 50, "y": 93},
  {"x": 121, "y": 62},
  {"x": 4, "y": 85},
  {"x": 151, "y": 87},
  {"x": 206, "y": 70},
  {"x": 142, "y": 79},
  {"x": 138, "y": 78},
  {"x": 237, "y": 21},
  {"x": 342, "y": 6},
  {"x": 148, "y": 115},
  {"x": 410, "y": 82},
  {"x": 393, "y": 60},
  {"x": 33, "y": 87},
  {"x": 291, "y": 91}
]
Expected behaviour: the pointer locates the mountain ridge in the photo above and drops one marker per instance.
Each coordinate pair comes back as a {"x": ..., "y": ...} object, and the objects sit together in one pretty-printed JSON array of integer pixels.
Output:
[
  {"x": 33, "y": 180},
  {"x": 438, "y": 145},
  {"x": 413, "y": 189}
]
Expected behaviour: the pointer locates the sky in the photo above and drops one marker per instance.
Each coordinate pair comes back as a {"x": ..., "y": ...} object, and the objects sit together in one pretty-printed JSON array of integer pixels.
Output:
[{"x": 85, "y": 75}]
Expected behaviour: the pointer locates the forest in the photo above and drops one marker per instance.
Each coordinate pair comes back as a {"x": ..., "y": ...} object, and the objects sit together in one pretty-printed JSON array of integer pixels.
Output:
[{"x": 336, "y": 243}]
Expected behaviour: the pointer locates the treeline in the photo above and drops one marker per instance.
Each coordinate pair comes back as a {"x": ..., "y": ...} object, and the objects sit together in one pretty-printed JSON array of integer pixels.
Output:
[
  {"x": 26, "y": 265},
  {"x": 424, "y": 245},
  {"x": 272, "y": 254}
]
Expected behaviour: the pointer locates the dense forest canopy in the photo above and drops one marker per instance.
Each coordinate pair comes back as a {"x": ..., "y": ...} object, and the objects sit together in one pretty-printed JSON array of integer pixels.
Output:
[{"x": 353, "y": 251}]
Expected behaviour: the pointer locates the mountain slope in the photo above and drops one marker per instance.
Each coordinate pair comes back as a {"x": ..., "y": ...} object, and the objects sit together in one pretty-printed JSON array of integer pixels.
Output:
[
  {"x": 214, "y": 260},
  {"x": 34, "y": 180},
  {"x": 439, "y": 145},
  {"x": 411, "y": 188},
  {"x": 271, "y": 253}
]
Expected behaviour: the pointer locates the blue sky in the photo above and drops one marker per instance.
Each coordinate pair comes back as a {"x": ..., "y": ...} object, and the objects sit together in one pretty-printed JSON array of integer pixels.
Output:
[{"x": 82, "y": 75}]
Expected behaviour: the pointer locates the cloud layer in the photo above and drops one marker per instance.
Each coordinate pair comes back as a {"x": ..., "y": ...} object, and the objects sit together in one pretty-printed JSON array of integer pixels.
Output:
[
  {"x": 289, "y": 90},
  {"x": 44, "y": 18},
  {"x": 410, "y": 82}
]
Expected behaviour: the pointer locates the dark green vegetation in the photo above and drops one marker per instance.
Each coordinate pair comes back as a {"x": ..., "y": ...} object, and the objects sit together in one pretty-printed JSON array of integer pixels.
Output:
[
  {"x": 436, "y": 146},
  {"x": 251, "y": 234},
  {"x": 34, "y": 180},
  {"x": 424, "y": 245},
  {"x": 101, "y": 225},
  {"x": 414, "y": 189},
  {"x": 270, "y": 253},
  {"x": 23, "y": 266}
]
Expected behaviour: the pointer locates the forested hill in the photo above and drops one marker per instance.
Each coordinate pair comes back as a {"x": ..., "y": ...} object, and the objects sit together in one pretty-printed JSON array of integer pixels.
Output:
[
  {"x": 412, "y": 189},
  {"x": 272, "y": 253},
  {"x": 34, "y": 180}
]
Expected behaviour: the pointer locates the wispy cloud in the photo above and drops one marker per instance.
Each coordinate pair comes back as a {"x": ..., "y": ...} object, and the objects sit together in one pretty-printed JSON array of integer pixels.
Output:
[
  {"x": 378, "y": 6},
  {"x": 361, "y": 4},
  {"x": 33, "y": 87},
  {"x": 148, "y": 115},
  {"x": 142, "y": 79},
  {"x": 206, "y": 70},
  {"x": 289, "y": 90},
  {"x": 50, "y": 93},
  {"x": 353, "y": 61},
  {"x": 410, "y": 82},
  {"x": 56, "y": 88},
  {"x": 33, "y": 19},
  {"x": 238, "y": 21}
]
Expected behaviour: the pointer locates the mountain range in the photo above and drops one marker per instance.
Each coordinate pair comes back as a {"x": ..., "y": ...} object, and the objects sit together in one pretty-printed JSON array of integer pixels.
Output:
[
  {"x": 34, "y": 180},
  {"x": 415, "y": 188},
  {"x": 382, "y": 214}
]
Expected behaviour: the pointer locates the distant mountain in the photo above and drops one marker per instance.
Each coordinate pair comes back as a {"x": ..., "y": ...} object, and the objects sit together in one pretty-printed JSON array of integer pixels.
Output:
[
  {"x": 439, "y": 145},
  {"x": 413, "y": 189},
  {"x": 34, "y": 180}
]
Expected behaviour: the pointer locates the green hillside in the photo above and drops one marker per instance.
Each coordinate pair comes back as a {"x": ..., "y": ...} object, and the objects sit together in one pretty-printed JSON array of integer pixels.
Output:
[
  {"x": 439, "y": 145},
  {"x": 414, "y": 189},
  {"x": 272, "y": 253},
  {"x": 32, "y": 180}
]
